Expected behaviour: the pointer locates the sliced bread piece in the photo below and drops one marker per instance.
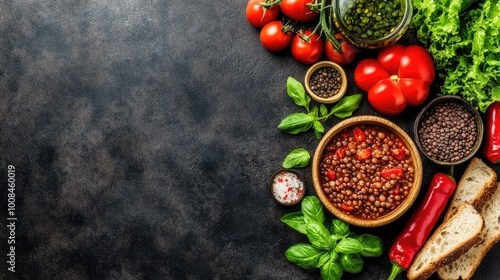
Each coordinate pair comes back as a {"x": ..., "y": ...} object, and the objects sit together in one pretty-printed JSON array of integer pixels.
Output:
[
  {"x": 465, "y": 266},
  {"x": 450, "y": 240},
  {"x": 476, "y": 186}
]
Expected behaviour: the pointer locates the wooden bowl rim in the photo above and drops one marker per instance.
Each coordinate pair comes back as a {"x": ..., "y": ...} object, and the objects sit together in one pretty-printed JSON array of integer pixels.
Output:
[{"x": 417, "y": 183}]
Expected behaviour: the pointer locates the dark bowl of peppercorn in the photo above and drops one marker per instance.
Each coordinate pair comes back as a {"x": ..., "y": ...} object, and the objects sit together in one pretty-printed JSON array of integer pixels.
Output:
[
  {"x": 449, "y": 131},
  {"x": 326, "y": 82},
  {"x": 372, "y": 24}
]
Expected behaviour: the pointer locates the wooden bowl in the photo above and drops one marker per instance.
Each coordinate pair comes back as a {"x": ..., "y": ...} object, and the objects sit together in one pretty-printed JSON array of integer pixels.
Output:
[
  {"x": 413, "y": 157},
  {"x": 450, "y": 99},
  {"x": 331, "y": 99}
]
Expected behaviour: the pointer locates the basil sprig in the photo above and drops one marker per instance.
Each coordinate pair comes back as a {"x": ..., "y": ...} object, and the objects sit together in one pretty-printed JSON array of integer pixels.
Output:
[
  {"x": 333, "y": 248},
  {"x": 303, "y": 121}
]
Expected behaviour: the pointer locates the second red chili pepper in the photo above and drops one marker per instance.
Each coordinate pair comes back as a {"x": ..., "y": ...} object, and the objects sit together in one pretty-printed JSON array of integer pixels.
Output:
[
  {"x": 491, "y": 148},
  {"x": 421, "y": 223}
]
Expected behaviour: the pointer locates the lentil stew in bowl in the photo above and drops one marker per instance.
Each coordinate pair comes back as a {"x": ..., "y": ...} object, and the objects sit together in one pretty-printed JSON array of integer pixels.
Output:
[{"x": 367, "y": 171}]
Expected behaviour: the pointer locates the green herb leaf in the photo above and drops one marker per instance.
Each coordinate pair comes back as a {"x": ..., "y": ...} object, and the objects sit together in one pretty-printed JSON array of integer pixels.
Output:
[
  {"x": 296, "y": 123},
  {"x": 318, "y": 129},
  {"x": 295, "y": 220},
  {"x": 318, "y": 235},
  {"x": 341, "y": 228},
  {"x": 351, "y": 263},
  {"x": 346, "y": 106},
  {"x": 296, "y": 91},
  {"x": 348, "y": 246},
  {"x": 312, "y": 209},
  {"x": 331, "y": 270},
  {"x": 298, "y": 158},
  {"x": 323, "y": 110},
  {"x": 372, "y": 245},
  {"x": 325, "y": 256},
  {"x": 303, "y": 255}
]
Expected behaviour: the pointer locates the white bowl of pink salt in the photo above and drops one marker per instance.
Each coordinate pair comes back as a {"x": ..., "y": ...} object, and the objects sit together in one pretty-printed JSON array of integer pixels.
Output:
[{"x": 287, "y": 187}]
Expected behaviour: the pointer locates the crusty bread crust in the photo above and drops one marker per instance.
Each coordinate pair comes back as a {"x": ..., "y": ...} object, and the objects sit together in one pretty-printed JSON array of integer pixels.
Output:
[
  {"x": 465, "y": 266},
  {"x": 428, "y": 260},
  {"x": 477, "y": 185}
]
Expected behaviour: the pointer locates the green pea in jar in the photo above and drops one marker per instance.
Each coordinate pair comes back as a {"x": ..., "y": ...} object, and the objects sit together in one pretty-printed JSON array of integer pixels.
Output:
[{"x": 372, "y": 24}]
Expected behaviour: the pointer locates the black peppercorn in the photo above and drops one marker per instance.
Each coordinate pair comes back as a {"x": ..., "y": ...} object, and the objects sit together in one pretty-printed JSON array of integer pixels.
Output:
[{"x": 325, "y": 82}]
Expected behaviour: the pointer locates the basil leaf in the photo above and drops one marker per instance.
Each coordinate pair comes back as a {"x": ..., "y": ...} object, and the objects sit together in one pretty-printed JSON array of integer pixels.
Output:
[
  {"x": 372, "y": 245},
  {"x": 341, "y": 228},
  {"x": 323, "y": 110},
  {"x": 348, "y": 245},
  {"x": 297, "y": 92},
  {"x": 318, "y": 235},
  {"x": 318, "y": 129},
  {"x": 296, "y": 123},
  {"x": 331, "y": 270},
  {"x": 346, "y": 106},
  {"x": 351, "y": 263},
  {"x": 303, "y": 255},
  {"x": 298, "y": 158},
  {"x": 295, "y": 220},
  {"x": 313, "y": 209},
  {"x": 325, "y": 256}
]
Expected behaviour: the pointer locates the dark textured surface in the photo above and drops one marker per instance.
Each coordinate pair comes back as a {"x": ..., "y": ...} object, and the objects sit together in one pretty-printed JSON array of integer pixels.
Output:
[{"x": 143, "y": 135}]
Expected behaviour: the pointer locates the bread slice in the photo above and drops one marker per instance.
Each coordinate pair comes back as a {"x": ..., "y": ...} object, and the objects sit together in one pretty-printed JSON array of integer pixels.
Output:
[
  {"x": 475, "y": 187},
  {"x": 450, "y": 240},
  {"x": 465, "y": 266}
]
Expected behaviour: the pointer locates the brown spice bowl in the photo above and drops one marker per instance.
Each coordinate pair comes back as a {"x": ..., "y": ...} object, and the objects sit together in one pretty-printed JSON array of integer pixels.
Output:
[
  {"x": 331, "y": 99},
  {"x": 378, "y": 160},
  {"x": 478, "y": 121}
]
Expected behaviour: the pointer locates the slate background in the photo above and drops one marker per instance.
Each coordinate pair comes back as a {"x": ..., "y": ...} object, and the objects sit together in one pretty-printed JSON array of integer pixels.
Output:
[{"x": 144, "y": 135}]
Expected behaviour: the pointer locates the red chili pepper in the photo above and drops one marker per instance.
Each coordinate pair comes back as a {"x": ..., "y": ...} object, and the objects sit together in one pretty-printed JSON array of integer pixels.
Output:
[
  {"x": 363, "y": 154},
  {"x": 331, "y": 175},
  {"x": 421, "y": 223},
  {"x": 491, "y": 148},
  {"x": 387, "y": 172},
  {"x": 359, "y": 135}
]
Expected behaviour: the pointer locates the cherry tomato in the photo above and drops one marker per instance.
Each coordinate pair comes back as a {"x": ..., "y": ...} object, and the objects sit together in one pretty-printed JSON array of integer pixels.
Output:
[
  {"x": 259, "y": 13},
  {"x": 275, "y": 37},
  {"x": 298, "y": 10},
  {"x": 349, "y": 52},
  {"x": 401, "y": 76},
  {"x": 307, "y": 52}
]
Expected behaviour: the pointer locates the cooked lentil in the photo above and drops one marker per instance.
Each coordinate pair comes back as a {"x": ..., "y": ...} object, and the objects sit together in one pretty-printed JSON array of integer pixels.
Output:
[
  {"x": 448, "y": 132},
  {"x": 325, "y": 82},
  {"x": 372, "y": 185}
]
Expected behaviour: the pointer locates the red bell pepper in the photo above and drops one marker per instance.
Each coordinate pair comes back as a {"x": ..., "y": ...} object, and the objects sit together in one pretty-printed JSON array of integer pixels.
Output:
[
  {"x": 417, "y": 230},
  {"x": 491, "y": 148}
]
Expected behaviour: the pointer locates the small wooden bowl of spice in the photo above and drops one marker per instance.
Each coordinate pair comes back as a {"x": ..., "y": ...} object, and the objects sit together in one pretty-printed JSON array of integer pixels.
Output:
[
  {"x": 448, "y": 131},
  {"x": 287, "y": 187},
  {"x": 326, "y": 82}
]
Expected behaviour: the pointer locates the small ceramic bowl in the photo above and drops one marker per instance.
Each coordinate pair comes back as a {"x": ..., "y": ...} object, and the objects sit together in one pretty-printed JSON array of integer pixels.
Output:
[
  {"x": 341, "y": 91},
  {"x": 369, "y": 194},
  {"x": 382, "y": 28},
  {"x": 287, "y": 187},
  {"x": 419, "y": 136}
]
